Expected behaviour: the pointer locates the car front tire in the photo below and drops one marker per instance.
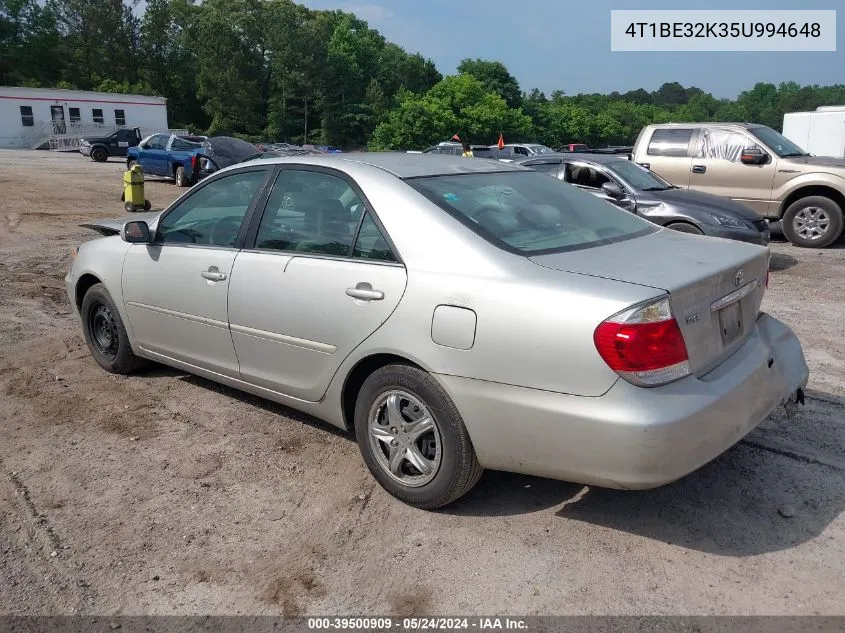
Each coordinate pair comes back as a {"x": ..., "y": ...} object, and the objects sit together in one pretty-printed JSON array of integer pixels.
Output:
[
  {"x": 685, "y": 227},
  {"x": 812, "y": 222},
  {"x": 105, "y": 334},
  {"x": 413, "y": 439}
]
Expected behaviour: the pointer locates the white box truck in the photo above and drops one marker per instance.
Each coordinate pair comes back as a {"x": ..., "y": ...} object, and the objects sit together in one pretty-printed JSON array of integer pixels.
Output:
[{"x": 821, "y": 132}]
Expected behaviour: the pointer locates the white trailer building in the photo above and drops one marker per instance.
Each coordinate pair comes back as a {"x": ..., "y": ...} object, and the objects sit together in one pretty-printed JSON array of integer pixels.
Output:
[
  {"x": 821, "y": 132},
  {"x": 38, "y": 117}
]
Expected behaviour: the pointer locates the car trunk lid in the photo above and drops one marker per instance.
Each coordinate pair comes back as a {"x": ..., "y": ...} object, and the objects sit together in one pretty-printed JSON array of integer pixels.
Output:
[{"x": 715, "y": 286}]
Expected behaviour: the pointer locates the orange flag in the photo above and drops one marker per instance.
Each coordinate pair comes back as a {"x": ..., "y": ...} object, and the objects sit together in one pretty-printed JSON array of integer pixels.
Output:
[{"x": 501, "y": 141}]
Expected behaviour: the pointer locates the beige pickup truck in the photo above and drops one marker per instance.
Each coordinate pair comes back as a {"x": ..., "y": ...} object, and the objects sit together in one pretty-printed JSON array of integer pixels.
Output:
[{"x": 755, "y": 165}]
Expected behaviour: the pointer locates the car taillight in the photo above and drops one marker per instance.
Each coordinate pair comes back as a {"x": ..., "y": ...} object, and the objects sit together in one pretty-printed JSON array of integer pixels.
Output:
[
  {"x": 644, "y": 345},
  {"x": 194, "y": 161}
]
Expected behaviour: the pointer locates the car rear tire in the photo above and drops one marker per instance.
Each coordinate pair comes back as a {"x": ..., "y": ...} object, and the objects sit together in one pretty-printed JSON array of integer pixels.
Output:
[
  {"x": 105, "y": 334},
  {"x": 812, "y": 222},
  {"x": 413, "y": 439},
  {"x": 685, "y": 227},
  {"x": 99, "y": 155},
  {"x": 181, "y": 180}
]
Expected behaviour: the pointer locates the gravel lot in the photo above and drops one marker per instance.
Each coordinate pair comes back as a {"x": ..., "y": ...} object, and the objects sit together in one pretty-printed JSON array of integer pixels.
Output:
[{"x": 167, "y": 494}]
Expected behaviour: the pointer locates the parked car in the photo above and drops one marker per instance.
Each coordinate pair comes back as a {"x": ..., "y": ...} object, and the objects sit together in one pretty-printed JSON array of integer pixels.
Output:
[
  {"x": 455, "y": 314},
  {"x": 755, "y": 165},
  {"x": 455, "y": 149},
  {"x": 279, "y": 153},
  {"x": 101, "y": 148},
  {"x": 573, "y": 147},
  {"x": 527, "y": 149},
  {"x": 169, "y": 156},
  {"x": 640, "y": 191},
  {"x": 219, "y": 152}
]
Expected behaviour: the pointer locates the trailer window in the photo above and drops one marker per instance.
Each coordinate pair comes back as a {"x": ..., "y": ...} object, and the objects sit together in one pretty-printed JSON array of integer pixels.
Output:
[
  {"x": 74, "y": 115},
  {"x": 98, "y": 115},
  {"x": 27, "y": 120},
  {"x": 120, "y": 118}
]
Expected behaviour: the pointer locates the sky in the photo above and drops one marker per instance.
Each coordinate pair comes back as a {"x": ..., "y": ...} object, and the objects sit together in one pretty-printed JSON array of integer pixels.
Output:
[{"x": 565, "y": 44}]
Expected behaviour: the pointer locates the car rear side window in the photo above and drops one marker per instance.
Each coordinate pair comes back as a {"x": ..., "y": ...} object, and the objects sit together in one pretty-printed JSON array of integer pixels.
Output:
[
  {"x": 310, "y": 212},
  {"x": 547, "y": 168},
  {"x": 370, "y": 243},
  {"x": 670, "y": 142},
  {"x": 528, "y": 213}
]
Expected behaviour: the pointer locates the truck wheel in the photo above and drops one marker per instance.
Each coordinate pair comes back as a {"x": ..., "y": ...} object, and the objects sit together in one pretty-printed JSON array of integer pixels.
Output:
[
  {"x": 813, "y": 222},
  {"x": 181, "y": 180},
  {"x": 100, "y": 155}
]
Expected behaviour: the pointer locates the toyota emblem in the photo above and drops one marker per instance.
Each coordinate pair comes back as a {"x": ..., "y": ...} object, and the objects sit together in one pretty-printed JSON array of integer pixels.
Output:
[{"x": 738, "y": 277}]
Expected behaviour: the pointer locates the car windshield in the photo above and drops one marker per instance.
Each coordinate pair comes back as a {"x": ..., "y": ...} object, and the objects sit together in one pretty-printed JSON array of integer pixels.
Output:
[
  {"x": 777, "y": 142},
  {"x": 529, "y": 213},
  {"x": 638, "y": 177},
  {"x": 541, "y": 149}
]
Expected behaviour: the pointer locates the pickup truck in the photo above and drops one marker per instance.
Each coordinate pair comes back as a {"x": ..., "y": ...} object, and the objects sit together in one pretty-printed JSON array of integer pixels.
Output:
[
  {"x": 100, "y": 148},
  {"x": 169, "y": 156}
]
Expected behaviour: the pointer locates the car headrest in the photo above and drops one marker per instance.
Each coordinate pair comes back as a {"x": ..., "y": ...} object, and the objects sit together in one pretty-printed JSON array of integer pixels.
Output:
[{"x": 541, "y": 215}]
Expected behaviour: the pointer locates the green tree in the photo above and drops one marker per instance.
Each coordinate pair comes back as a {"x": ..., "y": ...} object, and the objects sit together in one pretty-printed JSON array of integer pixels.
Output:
[
  {"x": 495, "y": 78},
  {"x": 30, "y": 45},
  {"x": 457, "y": 104}
]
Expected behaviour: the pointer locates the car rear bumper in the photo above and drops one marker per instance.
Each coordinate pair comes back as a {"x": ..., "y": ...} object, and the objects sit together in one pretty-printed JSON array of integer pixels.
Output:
[
  {"x": 633, "y": 437},
  {"x": 743, "y": 235}
]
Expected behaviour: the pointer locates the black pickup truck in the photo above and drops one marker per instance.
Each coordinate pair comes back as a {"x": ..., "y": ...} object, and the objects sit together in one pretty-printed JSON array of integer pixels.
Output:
[{"x": 100, "y": 148}]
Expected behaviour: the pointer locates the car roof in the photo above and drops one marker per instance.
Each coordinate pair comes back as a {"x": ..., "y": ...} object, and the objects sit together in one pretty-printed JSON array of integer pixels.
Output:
[
  {"x": 707, "y": 124},
  {"x": 571, "y": 156},
  {"x": 401, "y": 164}
]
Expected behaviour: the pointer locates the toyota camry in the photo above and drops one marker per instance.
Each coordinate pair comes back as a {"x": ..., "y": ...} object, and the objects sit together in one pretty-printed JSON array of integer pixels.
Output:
[{"x": 454, "y": 314}]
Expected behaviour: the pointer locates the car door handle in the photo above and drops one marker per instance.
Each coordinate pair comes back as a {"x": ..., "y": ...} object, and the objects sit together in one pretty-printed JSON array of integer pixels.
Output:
[
  {"x": 365, "y": 292},
  {"x": 698, "y": 169},
  {"x": 212, "y": 274}
]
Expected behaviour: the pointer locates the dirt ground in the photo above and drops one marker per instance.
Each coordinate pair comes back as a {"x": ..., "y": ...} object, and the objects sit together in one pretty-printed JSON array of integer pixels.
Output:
[{"x": 167, "y": 494}]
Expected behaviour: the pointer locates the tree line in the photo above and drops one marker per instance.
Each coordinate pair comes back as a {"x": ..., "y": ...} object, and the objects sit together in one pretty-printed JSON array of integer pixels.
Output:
[{"x": 276, "y": 70}]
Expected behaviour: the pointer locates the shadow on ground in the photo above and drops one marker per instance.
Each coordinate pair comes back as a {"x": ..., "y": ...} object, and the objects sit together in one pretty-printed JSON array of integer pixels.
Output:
[{"x": 753, "y": 499}]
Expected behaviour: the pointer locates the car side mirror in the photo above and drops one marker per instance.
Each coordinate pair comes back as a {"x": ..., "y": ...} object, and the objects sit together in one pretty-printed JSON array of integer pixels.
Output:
[
  {"x": 613, "y": 189},
  {"x": 136, "y": 232},
  {"x": 753, "y": 156}
]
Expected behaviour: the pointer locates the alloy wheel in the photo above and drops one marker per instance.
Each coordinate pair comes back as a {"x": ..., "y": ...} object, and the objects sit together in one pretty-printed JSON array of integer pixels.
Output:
[
  {"x": 811, "y": 223},
  {"x": 405, "y": 438}
]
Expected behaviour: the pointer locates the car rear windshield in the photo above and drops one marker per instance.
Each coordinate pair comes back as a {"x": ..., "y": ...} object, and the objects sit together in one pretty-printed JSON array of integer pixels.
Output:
[{"x": 529, "y": 213}]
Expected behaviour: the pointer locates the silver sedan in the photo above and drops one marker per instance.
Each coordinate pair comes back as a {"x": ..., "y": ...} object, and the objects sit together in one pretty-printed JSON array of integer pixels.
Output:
[{"x": 454, "y": 314}]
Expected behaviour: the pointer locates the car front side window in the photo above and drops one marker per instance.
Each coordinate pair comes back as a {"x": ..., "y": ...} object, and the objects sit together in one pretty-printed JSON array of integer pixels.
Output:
[{"x": 212, "y": 216}]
